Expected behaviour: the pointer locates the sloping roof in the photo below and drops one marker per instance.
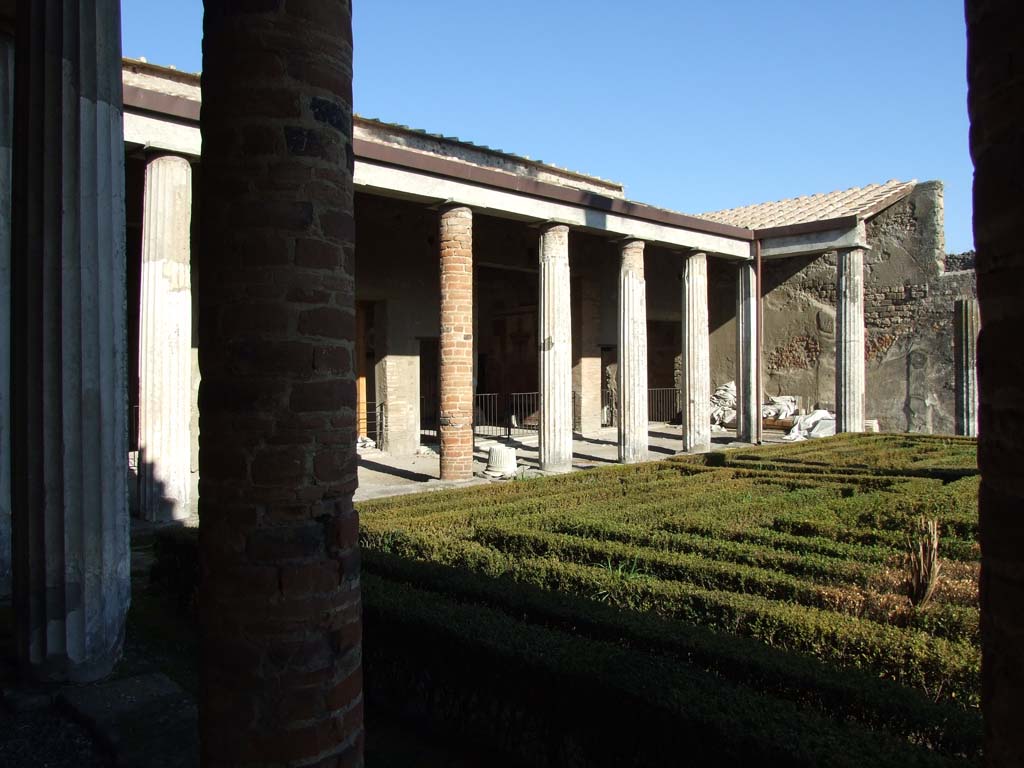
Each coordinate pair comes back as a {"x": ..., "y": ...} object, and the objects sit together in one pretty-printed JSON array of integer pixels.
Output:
[{"x": 862, "y": 202}]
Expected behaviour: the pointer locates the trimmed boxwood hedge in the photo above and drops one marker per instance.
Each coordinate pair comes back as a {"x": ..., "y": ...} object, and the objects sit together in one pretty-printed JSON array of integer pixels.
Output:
[{"x": 713, "y": 609}]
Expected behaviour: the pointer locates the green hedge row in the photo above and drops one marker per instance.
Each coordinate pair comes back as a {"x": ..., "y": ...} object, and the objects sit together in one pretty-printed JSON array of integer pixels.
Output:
[
  {"x": 828, "y": 569},
  {"x": 905, "y": 655},
  {"x": 842, "y": 693},
  {"x": 951, "y": 622},
  {"x": 554, "y": 698}
]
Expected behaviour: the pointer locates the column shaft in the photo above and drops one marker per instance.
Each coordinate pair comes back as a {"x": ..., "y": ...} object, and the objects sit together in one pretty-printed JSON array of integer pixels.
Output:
[
  {"x": 586, "y": 372},
  {"x": 280, "y": 665},
  {"x": 69, "y": 433},
  {"x": 456, "y": 419},
  {"x": 696, "y": 364},
  {"x": 555, "y": 350},
  {"x": 165, "y": 342},
  {"x": 6, "y": 143},
  {"x": 966, "y": 323},
  {"x": 632, "y": 364},
  {"x": 850, "y": 341},
  {"x": 748, "y": 401},
  {"x": 995, "y": 102}
]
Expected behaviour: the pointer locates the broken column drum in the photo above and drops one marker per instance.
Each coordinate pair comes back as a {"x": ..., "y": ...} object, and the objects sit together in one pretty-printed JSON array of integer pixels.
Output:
[
  {"x": 632, "y": 352},
  {"x": 456, "y": 343},
  {"x": 850, "y": 340},
  {"x": 165, "y": 342},
  {"x": 555, "y": 350},
  {"x": 69, "y": 435},
  {"x": 696, "y": 365}
]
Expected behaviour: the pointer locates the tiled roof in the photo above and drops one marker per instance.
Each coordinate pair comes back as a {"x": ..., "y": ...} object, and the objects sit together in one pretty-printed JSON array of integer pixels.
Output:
[{"x": 862, "y": 202}]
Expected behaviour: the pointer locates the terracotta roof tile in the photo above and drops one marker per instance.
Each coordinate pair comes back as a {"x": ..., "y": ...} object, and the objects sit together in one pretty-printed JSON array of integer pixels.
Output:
[{"x": 862, "y": 202}]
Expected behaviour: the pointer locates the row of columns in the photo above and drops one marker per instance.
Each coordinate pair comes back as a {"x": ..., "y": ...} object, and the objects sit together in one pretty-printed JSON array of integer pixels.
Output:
[
  {"x": 555, "y": 349},
  {"x": 555, "y": 357}
]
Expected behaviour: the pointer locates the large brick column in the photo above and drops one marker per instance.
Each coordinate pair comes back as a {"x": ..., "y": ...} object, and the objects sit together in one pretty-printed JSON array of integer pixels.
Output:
[
  {"x": 69, "y": 436},
  {"x": 6, "y": 143},
  {"x": 279, "y": 601},
  {"x": 995, "y": 76},
  {"x": 456, "y": 343}
]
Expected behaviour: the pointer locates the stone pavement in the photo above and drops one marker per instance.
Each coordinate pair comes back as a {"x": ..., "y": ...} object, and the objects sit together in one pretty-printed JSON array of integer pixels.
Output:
[{"x": 383, "y": 475}]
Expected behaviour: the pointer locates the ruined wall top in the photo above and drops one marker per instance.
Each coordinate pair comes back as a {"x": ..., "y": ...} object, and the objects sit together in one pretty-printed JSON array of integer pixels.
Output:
[
  {"x": 139, "y": 73},
  {"x": 152, "y": 77},
  {"x": 473, "y": 154}
]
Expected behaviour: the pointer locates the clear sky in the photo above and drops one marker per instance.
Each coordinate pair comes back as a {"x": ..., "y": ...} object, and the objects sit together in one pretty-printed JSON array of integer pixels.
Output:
[{"x": 693, "y": 106}]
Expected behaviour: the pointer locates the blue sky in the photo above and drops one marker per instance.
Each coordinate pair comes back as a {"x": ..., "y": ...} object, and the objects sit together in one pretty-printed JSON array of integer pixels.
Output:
[{"x": 693, "y": 106}]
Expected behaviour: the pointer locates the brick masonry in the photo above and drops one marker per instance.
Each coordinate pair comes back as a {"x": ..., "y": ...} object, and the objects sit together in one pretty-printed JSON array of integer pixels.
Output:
[
  {"x": 279, "y": 603},
  {"x": 456, "y": 419},
  {"x": 995, "y": 76}
]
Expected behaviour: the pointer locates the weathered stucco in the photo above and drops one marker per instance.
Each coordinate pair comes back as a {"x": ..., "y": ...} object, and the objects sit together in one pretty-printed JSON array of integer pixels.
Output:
[{"x": 908, "y": 312}]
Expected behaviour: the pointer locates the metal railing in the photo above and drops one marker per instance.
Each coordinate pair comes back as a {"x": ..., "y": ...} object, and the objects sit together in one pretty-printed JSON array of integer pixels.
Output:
[
  {"x": 609, "y": 409},
  {"x": 663, "y": 404},
  {"x": 502, "y": 415},
  {"x": 430, "y": 421},
  {"x": 372, "y": 424}
]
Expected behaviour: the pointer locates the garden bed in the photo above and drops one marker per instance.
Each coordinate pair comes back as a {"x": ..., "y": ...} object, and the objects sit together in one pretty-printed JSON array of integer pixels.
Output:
[
  {"x": 717, "y": 609},
  {"x": 738, "y": 606}
]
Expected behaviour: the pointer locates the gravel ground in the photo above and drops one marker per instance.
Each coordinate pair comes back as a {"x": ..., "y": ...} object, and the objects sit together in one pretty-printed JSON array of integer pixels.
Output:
[{"x": 45, "y": 737}]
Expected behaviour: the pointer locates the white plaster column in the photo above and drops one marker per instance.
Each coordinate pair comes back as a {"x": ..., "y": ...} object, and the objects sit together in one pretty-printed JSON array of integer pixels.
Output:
[
  {"x": 966, "y": 324},
  {"x": 554, "y": 339},
  {"x": 632, "y": 353},
  {"x": 165, "y": 342},
  {"x": 747, "y": 398},
  {"x": 69, "y": 404},
  {"x": 6, "y": 142},
  {"x": 850, "y": 340},
  {"x": 696, "y": 360}
]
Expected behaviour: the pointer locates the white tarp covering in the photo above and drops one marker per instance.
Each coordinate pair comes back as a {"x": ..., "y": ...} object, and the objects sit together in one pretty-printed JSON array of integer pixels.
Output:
[
  {"x": 814, "y": 424},
  {"x": 781, "y": 407},
  {"x": 723, "y": 404}
]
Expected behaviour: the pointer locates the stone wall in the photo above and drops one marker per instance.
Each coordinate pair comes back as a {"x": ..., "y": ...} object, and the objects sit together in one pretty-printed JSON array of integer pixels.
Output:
[{"x": 909, "y": 299}]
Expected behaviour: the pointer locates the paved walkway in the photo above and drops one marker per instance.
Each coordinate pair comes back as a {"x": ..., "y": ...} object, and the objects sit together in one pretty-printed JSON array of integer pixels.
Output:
[{"x": 381, "y": 474}]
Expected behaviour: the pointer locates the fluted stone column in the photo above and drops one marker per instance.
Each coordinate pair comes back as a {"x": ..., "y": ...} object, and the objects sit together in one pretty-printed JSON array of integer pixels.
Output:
[
  {"x": 696, "y": 361},
  {"x": 747, "y": 400},
  {"x": 632, "y": 352},
  {"x": 555, "y": 350},
  {"x": 69, "y": 437},
  {"x": 165, "y": 342},
  {"x": 966, "y": 324},
  {"x": 456, "y": 417},
  {"x": 6, "y": 142},
  {"x": 850, "y": 341}
]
